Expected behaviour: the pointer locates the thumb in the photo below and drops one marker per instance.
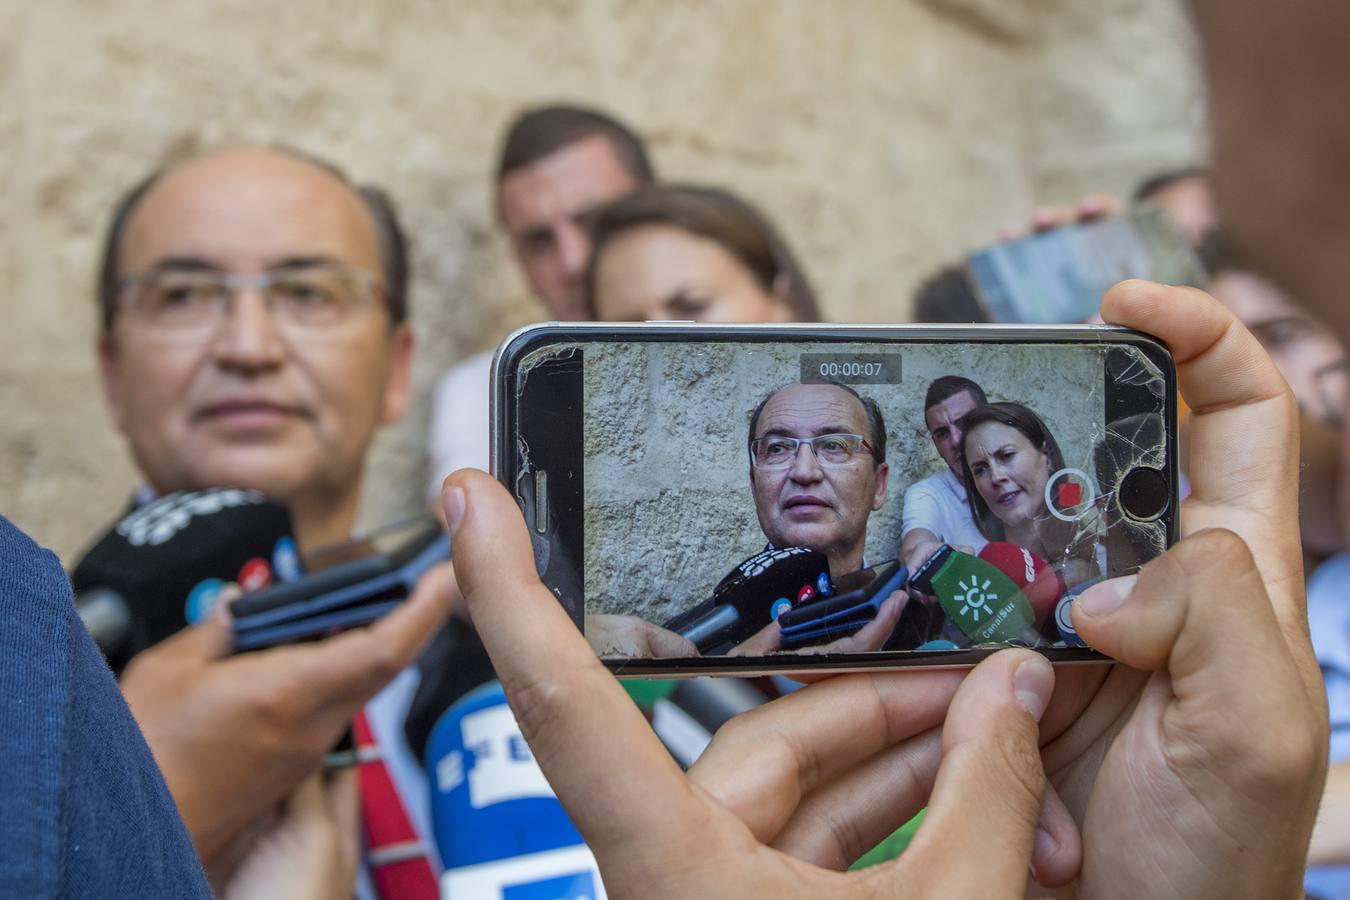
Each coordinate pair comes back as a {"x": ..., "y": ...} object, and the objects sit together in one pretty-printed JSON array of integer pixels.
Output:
[{"x": 990, "y": 788}]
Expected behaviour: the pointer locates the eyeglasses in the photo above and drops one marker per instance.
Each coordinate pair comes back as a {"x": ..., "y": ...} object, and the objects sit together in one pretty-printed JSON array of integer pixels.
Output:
[
  {"x": 830, "y": 449},
  {"x": 306, "y": 301}
]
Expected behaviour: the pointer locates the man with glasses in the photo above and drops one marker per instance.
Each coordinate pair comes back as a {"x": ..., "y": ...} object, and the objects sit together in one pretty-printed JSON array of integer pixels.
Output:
[
  {"x": 254, "y": 334},
  {"x": 818, "y": 470}
]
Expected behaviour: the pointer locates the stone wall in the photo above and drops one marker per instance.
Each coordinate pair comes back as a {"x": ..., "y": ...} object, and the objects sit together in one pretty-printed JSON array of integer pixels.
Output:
[
  {"x": 668, "y": 503},
  {"x": 885, "y": 136}
]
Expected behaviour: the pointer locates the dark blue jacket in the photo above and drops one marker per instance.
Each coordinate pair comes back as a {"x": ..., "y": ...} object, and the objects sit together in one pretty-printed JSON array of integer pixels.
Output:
[{"x": 84, "y": 812}]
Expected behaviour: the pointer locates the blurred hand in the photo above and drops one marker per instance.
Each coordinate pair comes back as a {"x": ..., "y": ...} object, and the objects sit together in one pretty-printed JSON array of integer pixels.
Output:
[
  {"x": 1194, "y": 769},
  {"x": 785, "y": 793},
  {"x": 311, "y": 848},
  {"x": 1089, "y": 208},
  {"x": 234, "y": 735}
]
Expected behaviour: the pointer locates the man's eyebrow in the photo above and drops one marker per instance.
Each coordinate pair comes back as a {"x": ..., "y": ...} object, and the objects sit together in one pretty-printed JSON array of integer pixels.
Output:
[
  {"x": 302, "y": 262},
  {"x": 817, "y": 432},
  {"x": 186, "y": 263}
]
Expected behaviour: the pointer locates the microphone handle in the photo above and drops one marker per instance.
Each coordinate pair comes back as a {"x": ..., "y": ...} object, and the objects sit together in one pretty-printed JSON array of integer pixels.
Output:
[{"x": 710, "y": 629}]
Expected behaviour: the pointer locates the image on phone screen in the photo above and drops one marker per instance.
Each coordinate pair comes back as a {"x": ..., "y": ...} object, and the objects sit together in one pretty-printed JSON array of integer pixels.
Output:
[{"x": 714, "y": 497}]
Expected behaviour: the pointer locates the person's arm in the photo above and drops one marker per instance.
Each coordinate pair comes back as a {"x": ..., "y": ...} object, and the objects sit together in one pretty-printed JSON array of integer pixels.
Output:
[
  {"x": 916, "y": 546},
  {"x": 234, "y": 735},
  {"x": 1331, "y": 836}
]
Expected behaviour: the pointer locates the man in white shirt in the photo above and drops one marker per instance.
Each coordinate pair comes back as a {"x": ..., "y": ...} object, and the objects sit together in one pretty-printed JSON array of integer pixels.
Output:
[
  {"x": 558, "y": 165},
  {"x": 936, "y": 511}
]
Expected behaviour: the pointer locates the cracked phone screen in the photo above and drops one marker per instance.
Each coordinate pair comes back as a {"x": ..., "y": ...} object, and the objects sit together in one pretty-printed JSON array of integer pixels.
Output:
[{"x": 910, "y": 498}]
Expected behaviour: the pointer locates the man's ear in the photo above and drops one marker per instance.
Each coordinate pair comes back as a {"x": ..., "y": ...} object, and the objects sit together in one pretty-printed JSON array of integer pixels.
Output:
[
  {"x": 398, "y": 390},
  {"x": 879, "y": 495},
  {"x": 111, "y": 380}
]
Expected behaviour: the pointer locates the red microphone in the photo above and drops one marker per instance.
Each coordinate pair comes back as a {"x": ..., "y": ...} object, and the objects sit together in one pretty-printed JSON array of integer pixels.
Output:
[{"x": 1041, "y": 584}]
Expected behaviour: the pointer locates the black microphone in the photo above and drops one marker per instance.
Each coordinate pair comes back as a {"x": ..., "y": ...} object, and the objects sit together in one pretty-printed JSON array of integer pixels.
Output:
[
  {"x": 754, "y": 594},
  {"x": 162, "y": 564}
]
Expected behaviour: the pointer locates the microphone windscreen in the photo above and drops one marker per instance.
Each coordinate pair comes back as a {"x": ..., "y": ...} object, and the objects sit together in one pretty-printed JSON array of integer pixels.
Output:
[
  {"x": 982, "y": 601},
  {"x": 498, "y": 825},
  {"x": 169, "y": 558},
  {"x": 762, "y": 585},
  {"x": 1038, "y": 581}
]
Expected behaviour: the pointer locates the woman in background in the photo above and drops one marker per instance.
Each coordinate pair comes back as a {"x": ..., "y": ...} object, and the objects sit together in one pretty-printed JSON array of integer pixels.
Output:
[
  {"x": 1008, "y": 454},
  {"x": 684, "y": 252}
]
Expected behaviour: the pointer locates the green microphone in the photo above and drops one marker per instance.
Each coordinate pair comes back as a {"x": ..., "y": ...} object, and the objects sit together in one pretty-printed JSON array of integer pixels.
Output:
[{"x": 982, "y": 600}]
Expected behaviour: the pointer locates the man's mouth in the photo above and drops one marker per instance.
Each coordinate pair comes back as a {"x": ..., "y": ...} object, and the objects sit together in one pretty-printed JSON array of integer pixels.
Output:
[
  {"x": 805, "y": 503},
  {"x": 245, "y": 412}
]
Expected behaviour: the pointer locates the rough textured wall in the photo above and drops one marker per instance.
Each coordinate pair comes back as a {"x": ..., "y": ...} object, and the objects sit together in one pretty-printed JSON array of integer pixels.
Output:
[
  {"x": 666, "y": 474},
  {"x": 884, "y": 135}
]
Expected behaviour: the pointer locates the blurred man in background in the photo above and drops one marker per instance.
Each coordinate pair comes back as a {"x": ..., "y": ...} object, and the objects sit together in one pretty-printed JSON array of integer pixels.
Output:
[
  {"x": 558, "y": 165},
  {"x": 254, "y": 334}
]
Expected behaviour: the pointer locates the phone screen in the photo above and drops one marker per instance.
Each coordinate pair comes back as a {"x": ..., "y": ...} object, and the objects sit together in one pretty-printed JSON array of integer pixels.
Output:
[
  {"x": 1060, "y": 275},
  {"x": 665, "y": 475}
]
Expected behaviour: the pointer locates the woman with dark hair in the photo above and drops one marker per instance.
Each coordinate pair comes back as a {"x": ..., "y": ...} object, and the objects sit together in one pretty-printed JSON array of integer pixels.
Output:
[
  {"x": 682, "y": 252},
  {"x": 1007, "y": 456}
]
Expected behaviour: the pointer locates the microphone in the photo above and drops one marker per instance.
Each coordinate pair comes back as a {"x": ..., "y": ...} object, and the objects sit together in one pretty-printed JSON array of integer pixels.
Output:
[
  {"x": 499, "y": 828},
  {"x": 1033, "y": 576},
  {"x": 754, "y": 594},
  {"x": 978, "y": 597},
  {"x": 161, "y": 566}
]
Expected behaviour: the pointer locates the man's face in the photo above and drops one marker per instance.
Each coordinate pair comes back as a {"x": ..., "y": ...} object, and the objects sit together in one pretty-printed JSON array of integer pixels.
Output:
[
  {"x": 247, "y": 404},
  {"x": 807, "y": 504},
  {"x": 942, "y": 420},
  {"x": 1189, "y": 203},
  {"x": 544, "y": 207},
  {"x": 1309, "y": 356}
]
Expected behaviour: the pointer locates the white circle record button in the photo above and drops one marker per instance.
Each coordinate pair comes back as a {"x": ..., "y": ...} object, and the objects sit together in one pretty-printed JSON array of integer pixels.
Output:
[{"x": 1069, "y": 494}]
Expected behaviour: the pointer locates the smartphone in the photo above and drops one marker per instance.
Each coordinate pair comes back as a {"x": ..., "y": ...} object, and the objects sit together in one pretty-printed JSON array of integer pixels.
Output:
[
  {"x": 348, "y": 585},
  {"x": 1060, "y": 275},
  {"x": 732, "y": 499}
]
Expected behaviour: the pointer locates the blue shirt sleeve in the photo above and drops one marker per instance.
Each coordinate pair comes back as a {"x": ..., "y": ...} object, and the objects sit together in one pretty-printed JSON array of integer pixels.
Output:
[{"x": 87, "y": 813}]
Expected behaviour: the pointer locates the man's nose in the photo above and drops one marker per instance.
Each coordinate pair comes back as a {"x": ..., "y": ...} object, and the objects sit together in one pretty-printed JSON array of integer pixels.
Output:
[
  {"x": 805, "y": 467},
  {"x": 247, "y": 335},
  {"x": 574, "y": 249}
]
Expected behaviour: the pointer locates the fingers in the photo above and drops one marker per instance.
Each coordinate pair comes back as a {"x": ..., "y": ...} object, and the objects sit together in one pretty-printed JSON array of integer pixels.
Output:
[
  {"x": 1057, "y": 850},
  {"x": 588, "y": 737},
  {"x": 1201, "y": 614},
  {"x": 762, "y": 763},
  {"x": 344, "y": 809},
  {"x": 875, "y": 633},
  {"x": 352, "y": 667},
  {"x": 1244, "y": 444},
  {"x": 768, "y": 639},
  {"x": 838, "y": 822},
  {"x": 981, "y": 823}
]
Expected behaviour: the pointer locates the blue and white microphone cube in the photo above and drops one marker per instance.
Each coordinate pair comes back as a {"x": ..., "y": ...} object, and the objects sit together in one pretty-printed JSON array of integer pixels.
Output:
[{"x": 500, "y": 830}]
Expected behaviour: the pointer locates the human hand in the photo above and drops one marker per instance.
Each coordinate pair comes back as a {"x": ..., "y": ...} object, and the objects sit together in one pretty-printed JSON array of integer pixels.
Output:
[
  {"x": 806, "y": 782},
  {"x": 309, "y": 850},
  {"x": 1194, "y": 768},
  {"x": 1089, "y": 208},
  {"x": 870, "y": 637},
  {"x": 629, "y": 637},
  {"x": 233, "y": 735}
]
